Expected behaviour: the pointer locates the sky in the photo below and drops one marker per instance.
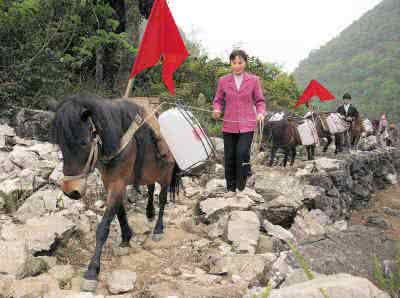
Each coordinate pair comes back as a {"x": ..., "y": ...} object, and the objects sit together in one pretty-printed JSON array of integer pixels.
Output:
[{"x": 283, "y": 31}]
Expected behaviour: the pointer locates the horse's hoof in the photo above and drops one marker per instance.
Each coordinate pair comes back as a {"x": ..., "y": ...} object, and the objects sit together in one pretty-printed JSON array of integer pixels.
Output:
[
  {"x": 124, "y": 244},
  {"x": 157, "y": 237},
  {"x": 89, "y": 285}
]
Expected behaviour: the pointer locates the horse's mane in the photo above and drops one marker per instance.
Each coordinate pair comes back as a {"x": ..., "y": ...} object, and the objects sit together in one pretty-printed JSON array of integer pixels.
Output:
[{"x": 111, "y": 118}]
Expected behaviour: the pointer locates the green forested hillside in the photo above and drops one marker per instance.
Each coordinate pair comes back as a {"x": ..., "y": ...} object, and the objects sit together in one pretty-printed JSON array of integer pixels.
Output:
[
  {"x": 53, "y": 48},
  {"x": 363, "y": 60}
]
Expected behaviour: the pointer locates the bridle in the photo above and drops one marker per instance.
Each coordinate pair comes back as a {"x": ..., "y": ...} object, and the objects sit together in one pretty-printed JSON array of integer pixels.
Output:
[
  {"x": 93, "y": 155},
  {"x": 96, "y": 142}
]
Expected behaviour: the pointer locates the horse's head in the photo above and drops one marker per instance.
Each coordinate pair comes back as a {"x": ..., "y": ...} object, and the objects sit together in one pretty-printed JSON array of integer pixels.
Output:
[{"x": 75, "y": 133}]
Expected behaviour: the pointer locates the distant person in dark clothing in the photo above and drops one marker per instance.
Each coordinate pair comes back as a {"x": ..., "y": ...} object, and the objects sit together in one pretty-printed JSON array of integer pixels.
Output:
[{"x": 349, "y": 113}]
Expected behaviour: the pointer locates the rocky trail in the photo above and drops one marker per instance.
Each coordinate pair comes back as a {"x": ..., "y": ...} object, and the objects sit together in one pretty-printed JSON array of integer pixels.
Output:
[{"x": 339, "y": 213}]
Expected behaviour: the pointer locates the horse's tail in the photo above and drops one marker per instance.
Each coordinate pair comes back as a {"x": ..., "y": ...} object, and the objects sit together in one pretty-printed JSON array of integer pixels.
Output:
[{"x": 175, "y": 182}]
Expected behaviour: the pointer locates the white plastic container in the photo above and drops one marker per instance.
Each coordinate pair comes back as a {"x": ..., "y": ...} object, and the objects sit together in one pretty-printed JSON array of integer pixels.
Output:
[
  {"x": 308, "y": 133},
  {"x": 336, "y": 124},
  {"x": 368, "y": 126},
  {"x": 187, "y": 141}
]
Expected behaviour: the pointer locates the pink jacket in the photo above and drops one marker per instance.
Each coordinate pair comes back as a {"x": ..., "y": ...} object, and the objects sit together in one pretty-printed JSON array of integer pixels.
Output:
[{"x": 241, "y": 107}]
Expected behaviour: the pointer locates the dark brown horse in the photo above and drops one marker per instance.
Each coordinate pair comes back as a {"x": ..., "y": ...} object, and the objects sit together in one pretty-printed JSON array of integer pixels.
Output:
[
  {"x": 97, "y": 133},
  {"x": 283, "y": 134}
]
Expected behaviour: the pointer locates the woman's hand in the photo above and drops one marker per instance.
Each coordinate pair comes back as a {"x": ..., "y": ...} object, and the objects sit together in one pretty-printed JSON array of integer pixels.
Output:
[
  {"x": 260, "y": 118},
  {"x": 216, "y": 114}
]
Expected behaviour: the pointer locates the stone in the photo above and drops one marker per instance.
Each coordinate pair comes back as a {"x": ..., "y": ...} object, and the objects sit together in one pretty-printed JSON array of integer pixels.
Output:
[
  {"x": 278, "y": 231},
  {"x": 391, "y": 179},
  {"x": 265, "y": 245},
  {"x": 218, "y": 228},
  {"x": 24, "y": 158},
  {"x": 378, "y": 221},
  {"x": 335, "y": 286},
  {"x": 243, "y": 231},
  {"x": 62, "y": 273},
  {"x": 220, "y": 171},
  {"x": 121, "y": 281},
  {"x": 34, "y": 124},
  {"x": 41, "y": 202},
  {"x": 306, "y": 226},
  {"x": 350, "y": 251},
  {"x": 13, "y": 256},
  {"x": 33, "y": 287},
  {"x": 328, "y": 164},
  {"x": 57, "y": 174},
  {"x": 5, "y": 131},
  {"x": 6, "y": 282},
  {"x": 215, "y": 187},
  {"x": 391, "y": 212},
  {"x": 248, "y": 267},
  {"x": 296, "y": 277},
  {"x": 39, "y": 233},
  {"x": 139, "y": 223},
  {"x": 99, "y": 204},
  {"x": 219, "y": 145},
  {"x": 32, "y": 267},
  {"x": 212, "y": 208}
]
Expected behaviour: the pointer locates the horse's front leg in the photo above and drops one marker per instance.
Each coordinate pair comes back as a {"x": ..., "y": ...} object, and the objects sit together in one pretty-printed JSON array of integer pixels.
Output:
[
  {"x": 150, "y": 212},
  {"x": 159, "y": 228},
  {"x": 114, "y": 202}
]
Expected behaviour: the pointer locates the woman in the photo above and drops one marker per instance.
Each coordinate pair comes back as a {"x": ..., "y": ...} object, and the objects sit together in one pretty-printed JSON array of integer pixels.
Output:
[{"x": 244, "y": 107}]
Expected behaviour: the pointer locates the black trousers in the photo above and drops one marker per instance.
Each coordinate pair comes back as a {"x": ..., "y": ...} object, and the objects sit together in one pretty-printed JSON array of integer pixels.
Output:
[{"x": 237, "y": 159}]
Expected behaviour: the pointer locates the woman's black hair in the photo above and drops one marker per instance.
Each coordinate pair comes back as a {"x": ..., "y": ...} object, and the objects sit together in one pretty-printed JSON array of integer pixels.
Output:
[{"x": 238, "y": 53}]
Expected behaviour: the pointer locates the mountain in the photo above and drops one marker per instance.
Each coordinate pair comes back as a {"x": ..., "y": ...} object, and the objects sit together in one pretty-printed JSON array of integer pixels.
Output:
[{"x": 363, "y": 60}]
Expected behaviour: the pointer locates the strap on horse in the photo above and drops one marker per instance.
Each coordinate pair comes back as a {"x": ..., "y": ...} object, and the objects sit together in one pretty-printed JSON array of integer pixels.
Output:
[{"x": 93, "y": 158}]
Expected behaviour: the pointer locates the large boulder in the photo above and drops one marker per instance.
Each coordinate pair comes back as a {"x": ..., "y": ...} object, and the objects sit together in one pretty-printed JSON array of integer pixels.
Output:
[
  {"x": 13, "y": 256},
  {"x": 121, "y": 281},
  {"x": 40, "y": 203},
  {"x": 335, "y": 286},
  {"x": 212, "y": 208},
  {"x": 243, "y": 231},
  {"x": 41, "y": 233},
  {"x": 350, "y": 251},
  {"x": 34, "y": 124}
]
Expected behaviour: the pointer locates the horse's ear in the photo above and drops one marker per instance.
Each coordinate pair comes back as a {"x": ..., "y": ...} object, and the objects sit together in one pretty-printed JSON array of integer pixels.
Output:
[{"x": 85, "y": 114}]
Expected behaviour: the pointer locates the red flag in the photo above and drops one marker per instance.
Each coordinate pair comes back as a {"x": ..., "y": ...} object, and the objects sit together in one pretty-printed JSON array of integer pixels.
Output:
[
  {"x": 314, "y": 89},
  {"x": 161, "y": 38}
]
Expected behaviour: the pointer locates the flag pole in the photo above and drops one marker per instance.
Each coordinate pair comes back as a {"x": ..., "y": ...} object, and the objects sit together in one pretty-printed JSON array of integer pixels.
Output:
[{"x": 129, "y": 88}]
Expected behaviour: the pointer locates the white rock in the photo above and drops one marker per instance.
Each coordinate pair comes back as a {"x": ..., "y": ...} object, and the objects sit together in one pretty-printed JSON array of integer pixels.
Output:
[
  {"x": 39, "y": 233},
  {"x": 244, "y": 231},
  {"x": 121, "y": 281},
  {"x": 13, "y": 256},
  {"x": 212, "y": 208},
  {"x": 335, "y": 286},
  {"x": 277, "y": 231},
  {"x": 62, "y": 272},
  {"x": 39, "y": 203}
]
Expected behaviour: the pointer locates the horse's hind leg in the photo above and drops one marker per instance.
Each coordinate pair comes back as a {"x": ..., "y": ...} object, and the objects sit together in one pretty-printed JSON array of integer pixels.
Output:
[
  {"x": 159, "y": 228},
  {"x": 285, "y": 159},
  {"x": 150, "y": 211},
  {"x": 329, "y": 138},
  {"x": 293, "y": 154},
  {"x": 126, "y": 231},
  {"x": 272, "y": 157}
]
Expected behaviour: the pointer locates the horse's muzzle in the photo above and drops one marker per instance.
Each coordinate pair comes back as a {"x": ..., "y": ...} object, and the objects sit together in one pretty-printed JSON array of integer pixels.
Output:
[{"x": 74, "y": 189}]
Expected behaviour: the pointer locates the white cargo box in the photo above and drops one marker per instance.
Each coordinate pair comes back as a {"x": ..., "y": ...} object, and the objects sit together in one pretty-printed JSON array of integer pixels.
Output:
[
  {"x": 368, "y": 125},
  {"x": 308, "y": 133},
  {"x": 336, "y": 123},
  {"x": 188, "y": 142}
]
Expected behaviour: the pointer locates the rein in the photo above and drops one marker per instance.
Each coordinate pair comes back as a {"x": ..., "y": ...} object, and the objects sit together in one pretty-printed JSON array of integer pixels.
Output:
[{"x": 93, "y": 158}]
